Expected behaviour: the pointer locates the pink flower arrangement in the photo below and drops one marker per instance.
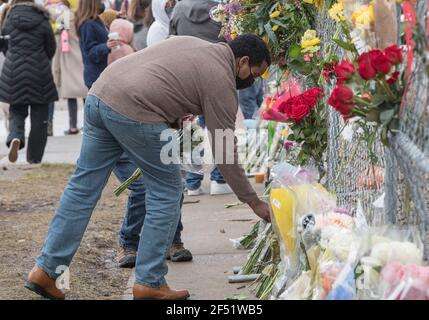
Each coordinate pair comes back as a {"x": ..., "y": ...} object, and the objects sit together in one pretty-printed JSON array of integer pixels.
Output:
[{"x": 394, "y": 274}]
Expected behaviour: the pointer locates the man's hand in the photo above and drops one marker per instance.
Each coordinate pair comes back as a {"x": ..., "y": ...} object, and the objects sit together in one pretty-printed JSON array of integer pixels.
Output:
[{"x": 261, "y": 209}]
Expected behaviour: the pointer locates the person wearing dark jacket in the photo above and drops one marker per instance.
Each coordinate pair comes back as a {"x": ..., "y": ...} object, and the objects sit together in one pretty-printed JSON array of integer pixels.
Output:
[
  {"x": 93, "y": 36},
  {"x": 191, "y": 18},
  {"x": 26, "y": 78}
]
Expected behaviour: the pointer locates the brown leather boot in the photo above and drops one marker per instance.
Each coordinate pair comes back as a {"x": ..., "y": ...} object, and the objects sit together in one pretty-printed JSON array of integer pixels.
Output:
[
  {"x": 40, "y": 283},
  {"x": 141, "y": 292}
]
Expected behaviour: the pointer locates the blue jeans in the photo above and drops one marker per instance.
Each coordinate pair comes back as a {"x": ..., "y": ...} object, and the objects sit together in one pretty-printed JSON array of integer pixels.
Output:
[
  {"x": 194, "y": 180},
  {"x": 129, "y": 237},
  {"x": 251, "y": 99},
  {"x": 51, "y": 111},
  {"x": 107, "y": 135}
]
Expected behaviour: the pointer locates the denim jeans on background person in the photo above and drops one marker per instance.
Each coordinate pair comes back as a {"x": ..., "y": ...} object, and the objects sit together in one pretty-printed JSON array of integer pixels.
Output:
[
  {"x": 129, "y": 236},
  {"x": 51, "y": 109},
  {"x": 251, "y": 99},
  {"x": 107, "y": 135},
  {"x": 72, "y": 107},
  {"x": 194, "y": 180},
  {"x": 38, "y": 136}
]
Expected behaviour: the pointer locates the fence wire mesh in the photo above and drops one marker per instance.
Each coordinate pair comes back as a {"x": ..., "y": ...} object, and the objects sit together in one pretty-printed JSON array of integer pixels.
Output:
[{"x": 404, "y": 164}]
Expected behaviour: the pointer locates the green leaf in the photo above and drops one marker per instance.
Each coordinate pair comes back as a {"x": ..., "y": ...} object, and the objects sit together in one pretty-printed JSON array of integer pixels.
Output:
[
  {"x": 295, "y": 51},
  {"x": 344, "y": 45},
  {"x": 281, "y": 24},
  {"x": 236, "y": 297},
  {"x": 271, "y": 35},
  {"x": 386, "y": 116}
]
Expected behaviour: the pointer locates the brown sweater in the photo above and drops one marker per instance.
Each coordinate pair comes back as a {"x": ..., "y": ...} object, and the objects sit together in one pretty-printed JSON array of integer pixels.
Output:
[{"x": 179, "y": 76}]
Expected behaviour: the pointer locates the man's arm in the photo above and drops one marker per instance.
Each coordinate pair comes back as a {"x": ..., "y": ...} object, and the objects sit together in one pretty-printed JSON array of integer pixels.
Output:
[{"x": 220, "y": 110}]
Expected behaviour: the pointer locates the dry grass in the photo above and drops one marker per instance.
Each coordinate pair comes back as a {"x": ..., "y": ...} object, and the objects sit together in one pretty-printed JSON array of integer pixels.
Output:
[{"x": 28, "y": 197}]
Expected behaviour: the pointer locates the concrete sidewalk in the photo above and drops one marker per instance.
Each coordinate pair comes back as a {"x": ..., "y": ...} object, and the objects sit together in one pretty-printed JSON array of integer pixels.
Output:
[{"x": 208, "y": 228}]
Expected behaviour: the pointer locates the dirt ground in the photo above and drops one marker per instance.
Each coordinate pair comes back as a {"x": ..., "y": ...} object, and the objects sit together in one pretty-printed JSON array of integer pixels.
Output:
[{"x": 28, "y": 198}]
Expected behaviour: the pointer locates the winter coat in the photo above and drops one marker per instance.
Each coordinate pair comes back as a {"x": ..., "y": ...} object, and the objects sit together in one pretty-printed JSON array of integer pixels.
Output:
[
  {"x": 192, "y": 18},
  {"x": 125, "y": 29},
  {"x": 68, "y": 66},
  {"x": 93, "y": 44},
  {"x": 26, "y": 77},
  {"x": 158, "y": 31}
]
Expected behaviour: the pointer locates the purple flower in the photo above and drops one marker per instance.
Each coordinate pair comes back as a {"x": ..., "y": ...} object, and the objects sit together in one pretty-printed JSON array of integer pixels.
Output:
[
  {"x": 233, "y": 8},
  {"x": 288, "y": 145},
  {"x": 227, "y": 36}
]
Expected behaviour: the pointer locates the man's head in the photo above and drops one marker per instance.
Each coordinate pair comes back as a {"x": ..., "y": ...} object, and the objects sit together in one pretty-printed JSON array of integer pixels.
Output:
[{"x": 252, "y": 59}]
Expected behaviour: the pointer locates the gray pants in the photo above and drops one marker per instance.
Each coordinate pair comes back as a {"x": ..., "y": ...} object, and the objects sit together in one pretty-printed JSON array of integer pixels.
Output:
[
  {"x": 38, "y": 134},
  {"x": 72, "y": 106}
]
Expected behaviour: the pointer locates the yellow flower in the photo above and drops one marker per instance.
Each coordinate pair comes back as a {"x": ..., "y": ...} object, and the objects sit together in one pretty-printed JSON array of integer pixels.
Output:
[
  {"x": 233, "y": 34},
  {"x": 275, "y": 14},
  {"x": 275, "y": 27},
  {"x": 310, "y": 41},
  {"x": 363, "y": 17},
  {"x": 266, "y": 74},
  {"x": 285, "y": 132},
  {"x": 316, "y": 3},
  {"x": 337, "y": 12}
]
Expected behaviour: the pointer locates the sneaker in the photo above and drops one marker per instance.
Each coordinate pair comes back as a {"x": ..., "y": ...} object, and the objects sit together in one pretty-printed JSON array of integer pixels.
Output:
[
  {"x": 71, "y": 132},
  {"x": 126, "y": 258},
  {"x": 220, "y": 188},
  {"x": 50, "y": 129},
  {"x": 193, "y": 193},
  {"x": 13, "y": 150},
  {"x": 178, "y": 253}
]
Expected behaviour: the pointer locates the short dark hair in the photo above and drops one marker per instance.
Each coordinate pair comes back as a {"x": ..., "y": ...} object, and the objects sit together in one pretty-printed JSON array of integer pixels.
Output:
[{"x": 252, "y": 46}]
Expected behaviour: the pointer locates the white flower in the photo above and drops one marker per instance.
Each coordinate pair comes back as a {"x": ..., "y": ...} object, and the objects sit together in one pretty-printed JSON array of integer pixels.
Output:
[
  {"x": 396, "y": 251},
  {"x": 218, "y": 13},
  {"x": 340, "y": 241}
]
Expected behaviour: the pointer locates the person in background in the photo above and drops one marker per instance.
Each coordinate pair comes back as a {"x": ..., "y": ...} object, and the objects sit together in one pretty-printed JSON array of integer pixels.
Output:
[
  {"x": 251, "y": 99},
  {"x": 26, "y": 79},
  {"x": 68, "y": 66},
  {"x": 159, "y": 30},
  {"x": 140, "y": 14},
  {"x": 108, "y": 16},
  {"x": 192, "y": 18},
  {"x": 125, "y": 31},
  {"x": 116, "y": 4},
  {"x": 3, "y": 6},
  {"x": 55, "y": 9},
  {"x": 93, "y": 39}
]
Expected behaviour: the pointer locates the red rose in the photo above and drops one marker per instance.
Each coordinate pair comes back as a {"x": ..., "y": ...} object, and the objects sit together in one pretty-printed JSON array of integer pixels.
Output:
[
  {"x": 394, "y": 78},
  {"x": 342, "y": 100},
  {"x": 297, "y": 112},
  {"x": 345, "y": 70},
  {"x": 394, "y": 54},
  {"x": 311, "y": 96},
  {"x": 379, "y": 61},
  {"x": 328, "y": 69},
  {"x": 371, "y": 63},
  {"x": 365, "y": 68}
]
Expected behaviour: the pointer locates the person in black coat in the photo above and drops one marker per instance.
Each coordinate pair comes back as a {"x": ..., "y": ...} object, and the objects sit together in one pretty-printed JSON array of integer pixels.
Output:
[{"x": 26, "y": 78}]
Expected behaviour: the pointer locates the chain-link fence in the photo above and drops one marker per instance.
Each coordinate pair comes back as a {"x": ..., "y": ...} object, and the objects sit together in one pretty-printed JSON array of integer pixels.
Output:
[{"x": 394, "y": 187}]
